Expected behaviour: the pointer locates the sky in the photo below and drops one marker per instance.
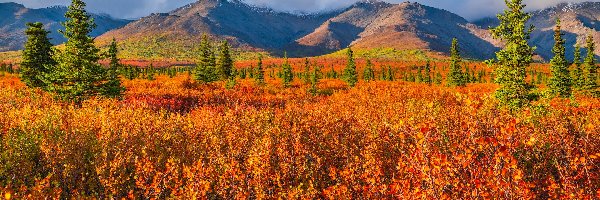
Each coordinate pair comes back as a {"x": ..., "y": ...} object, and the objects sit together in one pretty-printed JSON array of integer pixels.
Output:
[{"x": 130, "y": 9}]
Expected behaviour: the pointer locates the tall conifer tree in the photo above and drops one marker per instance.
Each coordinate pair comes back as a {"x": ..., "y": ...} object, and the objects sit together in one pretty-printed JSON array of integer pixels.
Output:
[
  {"x": 516, "y": 56},
  {"x": 577, "y": 73},
  {"x": 225, "y": 62},
  {"x": 591, "y": 69},
  {"x": 260, "y": 77},
  {"x": 287, "y": 73},
  {"x": 37, "y": 56},
  {"x": 560, "y": 83},
  {"x": 78, "y": 75},
  {"x": 113, "y": 87},
  {"x": 455, "y": 75},
  {"x": 350, "y": 74},
  {"x": 206, "y": 66},
  {"x": 369, "y": 74}
]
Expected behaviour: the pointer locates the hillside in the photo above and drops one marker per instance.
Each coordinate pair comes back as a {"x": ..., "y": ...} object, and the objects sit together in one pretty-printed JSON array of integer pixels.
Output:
[
  {"x": 14, "y": 17},
  {"x": 405, "y": 26},
  {"x": 367, "y": 24},
  {"x": 578, "y": 21}
]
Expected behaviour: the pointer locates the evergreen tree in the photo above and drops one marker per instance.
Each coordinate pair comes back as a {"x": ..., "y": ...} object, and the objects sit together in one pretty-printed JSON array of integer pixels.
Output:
[
  {"x": 577, "y": 73},
  {"x": 419, "y": 78},
  {"x": 390, "y": 74},
  {"x": 369, "y": 74},
  {"x": 591, "y": 69},
  {"x": 427, "y": 76},
  {"x": 37, "y": 56},
  {"x": 314, "y": 81},
  {"x": 350, "y": 74},
  {"x": 260, "y": 76},
  {"x": 149, "y": 72},
  {"x": 455, "y": 75},
  {"x": 438, "y": 78},
  {"x": 307, "y": 75},
  {"x": 225, "y": 63},
  {"x": 516, "y": 56},
  {"x": 206, "y": 66},
  {"x": 113, "y": 87},
  {"x": 560, "y": 83},
  {"x": 78, "y": 75},
  {"x": 334, "y": 73},
  {"x": 287, "y": 73}
]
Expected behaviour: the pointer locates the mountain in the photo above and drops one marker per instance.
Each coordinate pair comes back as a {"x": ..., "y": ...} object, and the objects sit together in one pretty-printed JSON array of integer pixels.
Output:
[
  {"x": 246, "y": 27},
  {"x": 366, "y": 24},
  {"x": 14, "y": 17},
  {"x": 374, "y": 24},
  {"x": 578, "y": 20}
]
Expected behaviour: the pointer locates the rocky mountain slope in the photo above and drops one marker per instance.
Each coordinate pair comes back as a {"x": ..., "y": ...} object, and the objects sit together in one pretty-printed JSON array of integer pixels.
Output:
[
  {"x": 367, "y": 24},
  {"x": 14, "y": 17}
]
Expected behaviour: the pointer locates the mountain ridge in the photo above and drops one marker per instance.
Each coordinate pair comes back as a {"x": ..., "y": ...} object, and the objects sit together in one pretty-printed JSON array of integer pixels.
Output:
[
  {"x": 15, "y": 16},
  {"x": 363, "y": 25}
]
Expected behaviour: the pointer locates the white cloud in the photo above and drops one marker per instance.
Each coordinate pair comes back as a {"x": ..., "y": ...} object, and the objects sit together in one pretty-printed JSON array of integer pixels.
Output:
[{"x": 470, "y": 9}]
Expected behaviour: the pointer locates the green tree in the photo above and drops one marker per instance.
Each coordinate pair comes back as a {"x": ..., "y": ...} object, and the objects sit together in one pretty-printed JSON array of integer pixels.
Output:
[
  {"x": 260, "y": 76},
  {"x": 419, "y": 78},
  {"x": 455, "y": 75},
  {"x": 591, "y": 69},
  {"x": 369, "y": 74},
  {"x": 37, "y": 56},
  {"x": 517, "y": 55},
  {"x": 113, "y": 88},
  {"x": 427, "y": 76},
  {"x": 560, "y": 83},
  {"x": 206, "y": 66},
  {"x": 307, "y": 75},
  {"x": 390, "y": 74},
  {"x": 438, "y": 78},
  {"x": 350, "y": 74},
  {"x": 314, "y": 81},
  {"x": 287, "y": 73},
  {"x": 577, "y": 72},
  {"x": 78, "y": 75},
  {"x": 225, "y": 62}
]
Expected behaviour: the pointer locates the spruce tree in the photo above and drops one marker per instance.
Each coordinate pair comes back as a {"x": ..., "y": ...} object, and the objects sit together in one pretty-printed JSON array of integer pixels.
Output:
[
  {"x": 206, "y": 66},
  {"x": 78, "y": 75},
  {"x": 307, "y": 75},
  {"x": 113, "y": 88},
  {"x": 314, "y": 81},
  {"x": 350, "y": 74},
  {"x": 560, "y": 83},
  {"x": 591, "y": 69},
  {"x": 390, "y": 74},
  {"x": 438, "y": 78},
  {"x": 577, "y": 72},
  {"x": 225, "y": 63},
  {"x": 419, "y": 78},
  {"x": 427, "y": 76},
  {"x": 37, "y": 56},
  {"x": 369, "y": 74},
  {"x": 455, "y": 75},
  {"x": 287, "y": 73},
  {"x": 517, "y": 55},
  {"x": 260, "y": 76}
]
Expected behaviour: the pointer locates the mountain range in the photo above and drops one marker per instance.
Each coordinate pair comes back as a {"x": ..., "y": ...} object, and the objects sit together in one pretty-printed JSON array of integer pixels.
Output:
[
  {"x": 14, "y": 17},
  {"x": 369, "y": 24}
]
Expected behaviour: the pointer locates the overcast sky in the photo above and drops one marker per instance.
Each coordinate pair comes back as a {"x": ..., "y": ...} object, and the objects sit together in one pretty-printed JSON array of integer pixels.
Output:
[{"x": 470, "y": 9}]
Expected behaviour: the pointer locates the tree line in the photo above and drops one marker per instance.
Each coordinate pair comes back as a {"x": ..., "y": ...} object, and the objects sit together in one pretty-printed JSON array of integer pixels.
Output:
[{"x": 74, "y": 74}]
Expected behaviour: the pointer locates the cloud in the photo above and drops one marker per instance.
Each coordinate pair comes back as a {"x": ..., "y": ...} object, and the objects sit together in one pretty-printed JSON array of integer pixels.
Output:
[{"x": 470, "y": 9}]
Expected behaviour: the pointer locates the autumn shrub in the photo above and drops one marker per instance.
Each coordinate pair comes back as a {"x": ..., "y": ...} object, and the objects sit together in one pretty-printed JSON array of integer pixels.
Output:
[{"x": 382, "y": 139}]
